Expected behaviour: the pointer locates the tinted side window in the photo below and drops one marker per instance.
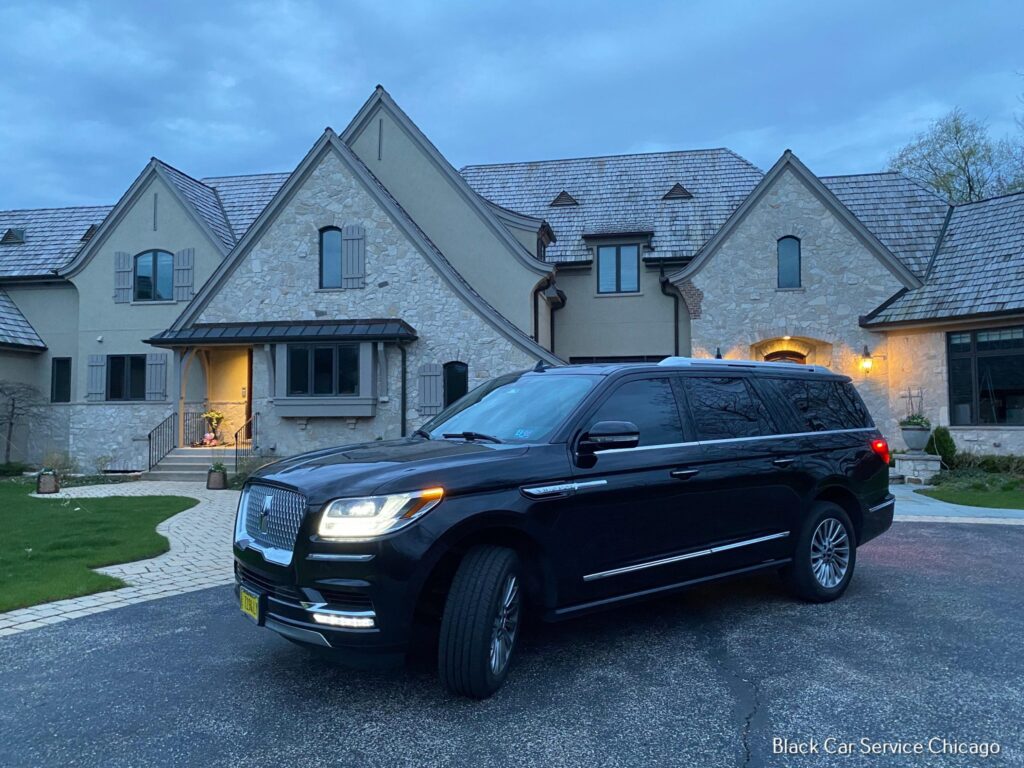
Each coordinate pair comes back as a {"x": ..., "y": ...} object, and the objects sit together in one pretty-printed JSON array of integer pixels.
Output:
[
  {"x": 726, "y": 407},
  {"x": 648, "y": 403},
  {"x": 822, "y": 405}
]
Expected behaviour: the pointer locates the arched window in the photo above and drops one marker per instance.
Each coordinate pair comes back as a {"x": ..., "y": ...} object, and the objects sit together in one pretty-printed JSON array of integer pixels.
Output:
[
  {"x": 330, "y": 257},
  {"x": 154, "y": 276},
  {"x": 456, "y": 381},
  {"x": 789, "y": 262},
  {"x": 785, "y": 356}
]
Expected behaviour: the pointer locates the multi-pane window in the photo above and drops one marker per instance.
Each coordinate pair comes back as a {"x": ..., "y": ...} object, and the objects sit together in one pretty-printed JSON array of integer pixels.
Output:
[
  {"x": 126, "y": 377},
  {"x": 725, "y": 408},
  {"x": 618, "y": 268},
  {"x": 789, "y": 262},
  {"x": 323, "y": 369},
  {"x": 648, "y": 403},
  {"x": 986, "y": 376},
  {"x": 60, "y": 380},
  {"x": 154, "y": 276},
  {"x": 456, "y": 381},
  {"x": 330, "y": 257}
]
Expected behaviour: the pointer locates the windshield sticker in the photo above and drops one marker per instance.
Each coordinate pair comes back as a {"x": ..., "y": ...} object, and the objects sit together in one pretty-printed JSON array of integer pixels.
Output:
[{"x": 523, "y": 434}]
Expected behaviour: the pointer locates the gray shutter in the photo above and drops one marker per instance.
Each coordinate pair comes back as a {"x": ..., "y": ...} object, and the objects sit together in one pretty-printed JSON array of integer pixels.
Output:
[
  {"x": 431, "y": 389},
  {"x": 184, "y": 281},
  {"x": 353, "y": 256},
  {"x": 96, "y": 388},
  {"x": 122, "y": 277},
  {"x": 156, "y": 376}
]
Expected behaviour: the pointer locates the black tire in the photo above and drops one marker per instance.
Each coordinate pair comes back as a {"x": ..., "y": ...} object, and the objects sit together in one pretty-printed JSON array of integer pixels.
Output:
[
  {"x": 800, "y": 575},
  {"x": 470, "y": 614}
]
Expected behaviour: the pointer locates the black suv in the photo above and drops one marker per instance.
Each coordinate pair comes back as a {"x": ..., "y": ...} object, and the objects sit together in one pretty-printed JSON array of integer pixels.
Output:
[{"x": 563, "y": 490}]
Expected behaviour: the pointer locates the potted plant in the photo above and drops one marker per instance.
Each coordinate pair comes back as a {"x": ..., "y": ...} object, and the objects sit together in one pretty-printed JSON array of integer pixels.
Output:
[
  {"x": 47, "y": 482},
  {"x": 213, "y": 419},
  {"x": 217, "y": 477},
  {"x": 916, "y": 428}
]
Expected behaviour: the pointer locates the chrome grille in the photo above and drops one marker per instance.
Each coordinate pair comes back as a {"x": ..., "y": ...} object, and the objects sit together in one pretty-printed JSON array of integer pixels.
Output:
[{"x": 274, "y": 523}]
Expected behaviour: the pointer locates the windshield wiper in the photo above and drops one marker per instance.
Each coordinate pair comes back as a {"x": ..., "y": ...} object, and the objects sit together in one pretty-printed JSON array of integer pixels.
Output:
[
  {"x": 473, "y": 436},
  {"x": 421, "y": 433}
]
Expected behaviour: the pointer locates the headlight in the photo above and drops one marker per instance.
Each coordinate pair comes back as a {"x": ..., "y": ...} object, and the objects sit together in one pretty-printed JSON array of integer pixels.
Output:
[{"x": 370, "y": 516}]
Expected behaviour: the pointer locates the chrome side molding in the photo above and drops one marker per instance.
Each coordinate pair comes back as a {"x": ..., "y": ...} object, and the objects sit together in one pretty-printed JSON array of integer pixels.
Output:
[
  {"x": 339, "y": 558},
  {"x": 687, "y": 556},
  {"x": 559, "y": 489}
]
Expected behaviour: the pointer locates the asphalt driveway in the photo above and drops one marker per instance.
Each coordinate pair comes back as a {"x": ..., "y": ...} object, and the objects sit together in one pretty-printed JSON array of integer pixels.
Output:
[{"x": 927, "y": 642}]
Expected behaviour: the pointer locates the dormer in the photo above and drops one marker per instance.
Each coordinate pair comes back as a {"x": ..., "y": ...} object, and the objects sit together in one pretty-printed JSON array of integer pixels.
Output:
[
  {"x": 13, "y": 236},
  {"x": 87, "y": 235},
  {"x": 678, "y": 192},
  {"x": 563, "y": 199}
]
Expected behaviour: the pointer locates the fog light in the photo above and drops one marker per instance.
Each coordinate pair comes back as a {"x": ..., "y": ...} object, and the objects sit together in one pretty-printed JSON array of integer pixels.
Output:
[{"x": 349, "y": 622}]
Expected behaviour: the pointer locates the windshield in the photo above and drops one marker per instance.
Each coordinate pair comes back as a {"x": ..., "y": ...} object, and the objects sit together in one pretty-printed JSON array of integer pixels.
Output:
[{"x": 518, "y": 407}]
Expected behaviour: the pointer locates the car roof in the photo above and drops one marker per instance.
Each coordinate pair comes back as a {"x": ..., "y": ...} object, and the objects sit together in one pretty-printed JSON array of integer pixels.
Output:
[{"x": 701, "y": 365}]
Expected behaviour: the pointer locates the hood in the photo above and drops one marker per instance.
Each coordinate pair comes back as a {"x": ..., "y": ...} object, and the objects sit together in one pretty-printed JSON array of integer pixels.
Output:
[{"x": 388, "y": 466}]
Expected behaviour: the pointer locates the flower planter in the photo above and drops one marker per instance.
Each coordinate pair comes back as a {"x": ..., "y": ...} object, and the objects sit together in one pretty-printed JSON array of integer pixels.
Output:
[
  {"x": 47, "y": 484},
  {"x": 216, "y": 480},
  {"x": 916, "y": 438}
]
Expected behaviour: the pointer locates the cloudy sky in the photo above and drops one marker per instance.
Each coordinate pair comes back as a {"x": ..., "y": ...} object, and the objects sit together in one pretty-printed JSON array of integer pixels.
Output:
[{"x": 89, "y": 91}]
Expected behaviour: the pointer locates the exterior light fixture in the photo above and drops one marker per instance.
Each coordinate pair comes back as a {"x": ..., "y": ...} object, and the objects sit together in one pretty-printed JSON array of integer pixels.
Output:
[
  {"x": 786, "y": 338},
  {"x": 866, "y": 363},
  {"x": 718, "y": 353}
]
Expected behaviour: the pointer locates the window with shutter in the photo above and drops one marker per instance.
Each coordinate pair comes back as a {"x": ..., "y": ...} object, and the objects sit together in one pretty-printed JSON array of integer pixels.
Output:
[
  {"x": 353, "y": 257},
  {"x": 156, "y": 376},
  {"x": 122, "y": 277},
  {"x": 96, "y": 384},
  {"x": 431, "y": 389},
  {"x": 184, "y": 280}
]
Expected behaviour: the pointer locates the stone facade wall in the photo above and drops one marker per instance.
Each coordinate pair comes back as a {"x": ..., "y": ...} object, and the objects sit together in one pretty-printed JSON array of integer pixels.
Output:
[
  {"x": 278, "y": 279},
  {"x": 116, "y": 430},
  {"x": 742, "y": 307}
]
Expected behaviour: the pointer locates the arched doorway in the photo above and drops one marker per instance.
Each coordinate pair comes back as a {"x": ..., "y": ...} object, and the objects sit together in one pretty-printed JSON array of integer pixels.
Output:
[{"x": 786, "y": 356}]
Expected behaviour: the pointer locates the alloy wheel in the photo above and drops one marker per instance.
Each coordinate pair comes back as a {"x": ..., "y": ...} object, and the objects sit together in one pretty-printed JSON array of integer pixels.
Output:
[
  {"x": 830, "y": 553},
  {"x": 506, "y": 625}
]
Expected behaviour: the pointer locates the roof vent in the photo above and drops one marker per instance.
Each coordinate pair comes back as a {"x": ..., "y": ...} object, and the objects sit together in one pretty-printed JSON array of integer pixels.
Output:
[
  {"x": 13, "y": 237},
  {"x": 678, "y": 192},
  {"x": 564, "y": 198},
  {"x": 89, "y": 233}
]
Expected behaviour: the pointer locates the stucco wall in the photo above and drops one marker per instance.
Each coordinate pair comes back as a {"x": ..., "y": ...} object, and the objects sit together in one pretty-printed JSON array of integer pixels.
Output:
[
  {"x": 611, "y": 325},
  {"x": 278, "y": 278},
  {"x": 438, "y": 207},
  {"x": 52, "y": 309},
  {"x": 841, "y": 280}
]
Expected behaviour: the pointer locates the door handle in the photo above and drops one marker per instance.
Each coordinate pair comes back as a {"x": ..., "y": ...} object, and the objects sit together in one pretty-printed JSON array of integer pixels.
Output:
[
  {"x": 783, "y": 462},
  {"x": 684, "y": 474}
]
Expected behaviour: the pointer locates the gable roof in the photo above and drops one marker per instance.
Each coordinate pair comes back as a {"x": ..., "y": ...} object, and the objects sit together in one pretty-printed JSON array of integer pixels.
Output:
[
  {"x": 204, "y": 201},
  {"x": 903, "y": 214},
  {"x": 978, "y": 268},
  {"x": 380, "y": 99},
  {"x": 330, "y": 141},
  {"x": 828, "y": 199},
  {"x": 52, "y": 237},
  {"x": 15, "y": 331},
  {"x": 623, "y": 193}
]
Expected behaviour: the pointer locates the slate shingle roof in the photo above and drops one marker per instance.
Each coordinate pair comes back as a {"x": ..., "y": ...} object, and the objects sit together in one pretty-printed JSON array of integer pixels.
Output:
[
  {"x": 979, "y": 268},
  {"x": 205, "y": 201},
  {"x": 904, "y": 215},
  {"x": 14, "y": 328},
  {"x": 243, "y": 198},
  {"x": 623, "y": 193},
  {"x": 52, "y": 237}
]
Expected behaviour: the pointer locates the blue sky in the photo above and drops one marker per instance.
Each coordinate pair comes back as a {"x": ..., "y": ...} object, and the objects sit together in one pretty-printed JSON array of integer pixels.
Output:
[{"x": 90, "y": 91}]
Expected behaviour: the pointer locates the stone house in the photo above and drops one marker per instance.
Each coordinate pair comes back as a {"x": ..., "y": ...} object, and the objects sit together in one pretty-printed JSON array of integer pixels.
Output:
[{"x": 354, "y": 297}]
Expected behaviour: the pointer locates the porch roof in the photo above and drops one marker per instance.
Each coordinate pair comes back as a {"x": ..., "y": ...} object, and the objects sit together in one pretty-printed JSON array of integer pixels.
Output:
[{"x": 387, "y": 329}]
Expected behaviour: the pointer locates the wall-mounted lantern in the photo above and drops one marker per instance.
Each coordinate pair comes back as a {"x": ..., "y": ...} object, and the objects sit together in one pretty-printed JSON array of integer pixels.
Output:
[
  {"x": 718, "y": 353},
  {"x": 866, "y": 363}
]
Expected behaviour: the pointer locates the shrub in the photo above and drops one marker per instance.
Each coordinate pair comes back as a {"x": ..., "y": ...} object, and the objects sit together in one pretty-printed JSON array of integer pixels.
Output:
[
  {"x": 12, "y": 469},
  {"x": 941, "y": 444},
  {"x": 916, "y": 420},
  {"x": 61, "y": 464}
]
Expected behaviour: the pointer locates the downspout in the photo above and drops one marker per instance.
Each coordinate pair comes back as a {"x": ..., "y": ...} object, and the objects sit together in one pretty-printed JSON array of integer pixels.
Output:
[
  {"x": 674, "y": 295},
  {"x": 541, "y": 286},
  {"x": 404, "y": 398}
]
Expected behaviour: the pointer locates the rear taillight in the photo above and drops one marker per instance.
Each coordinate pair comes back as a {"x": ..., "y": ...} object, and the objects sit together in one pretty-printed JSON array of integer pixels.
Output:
[{"x": 881, "y": 449}]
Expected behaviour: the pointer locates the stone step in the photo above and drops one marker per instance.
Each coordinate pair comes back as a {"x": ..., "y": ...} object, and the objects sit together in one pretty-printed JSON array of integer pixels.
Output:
[
  {"x": 183, "y": 477},
  {"x": 190, "y": 466}
]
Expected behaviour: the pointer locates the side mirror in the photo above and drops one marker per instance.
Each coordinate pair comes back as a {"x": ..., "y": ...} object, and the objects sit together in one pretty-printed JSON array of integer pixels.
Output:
[{"x": 609, "y": 434}]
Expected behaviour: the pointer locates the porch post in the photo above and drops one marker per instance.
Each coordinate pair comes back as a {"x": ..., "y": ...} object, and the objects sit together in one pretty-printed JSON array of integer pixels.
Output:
[{"x": 181, "y": 383}]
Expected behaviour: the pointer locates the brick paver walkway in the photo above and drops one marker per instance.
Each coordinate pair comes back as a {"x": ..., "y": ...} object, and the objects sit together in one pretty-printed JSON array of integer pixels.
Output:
[{"x": 199, "y": 557}]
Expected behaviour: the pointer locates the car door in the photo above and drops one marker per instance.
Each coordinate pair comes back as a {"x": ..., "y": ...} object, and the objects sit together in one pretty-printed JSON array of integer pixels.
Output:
[
  {"x": 747, "y": 471},
  {"x": 630, "y": 507}
]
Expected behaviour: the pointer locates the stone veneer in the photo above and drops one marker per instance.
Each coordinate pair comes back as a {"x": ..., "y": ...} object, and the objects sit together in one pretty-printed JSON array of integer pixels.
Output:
[
  {"x": 278, "y": 278},
  {"x": 744, "y": 313}
]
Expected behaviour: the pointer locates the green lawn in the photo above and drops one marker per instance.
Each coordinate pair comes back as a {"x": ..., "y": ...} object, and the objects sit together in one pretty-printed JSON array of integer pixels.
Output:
[
  {"x": 47, "y": 546},
  {"x": 995, "y": 499}
]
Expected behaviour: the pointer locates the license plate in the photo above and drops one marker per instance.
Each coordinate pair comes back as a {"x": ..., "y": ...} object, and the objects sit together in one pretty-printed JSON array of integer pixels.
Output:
[{"x": 250, "y": 604}]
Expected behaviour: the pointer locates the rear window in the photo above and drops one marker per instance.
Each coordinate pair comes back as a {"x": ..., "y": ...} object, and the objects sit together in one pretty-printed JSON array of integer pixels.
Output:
[
  {"x": 725, "y": 408},
  {"x": 822, "y": 405}
]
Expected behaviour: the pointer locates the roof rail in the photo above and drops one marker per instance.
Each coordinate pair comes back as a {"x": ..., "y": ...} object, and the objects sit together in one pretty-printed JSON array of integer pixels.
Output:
[{"x": 704, "y": 362}]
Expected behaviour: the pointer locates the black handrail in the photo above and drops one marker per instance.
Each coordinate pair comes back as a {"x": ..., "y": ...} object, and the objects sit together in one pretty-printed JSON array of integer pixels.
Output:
[
  {"x": 245, "y": 440},
  {"x": 163, "y": 439}
]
